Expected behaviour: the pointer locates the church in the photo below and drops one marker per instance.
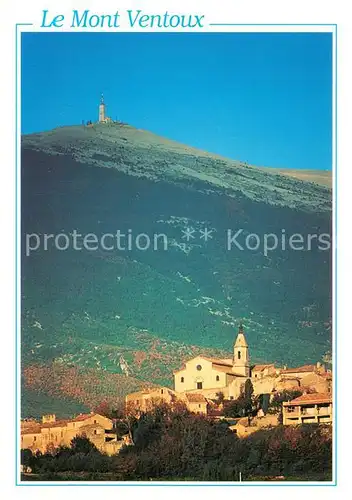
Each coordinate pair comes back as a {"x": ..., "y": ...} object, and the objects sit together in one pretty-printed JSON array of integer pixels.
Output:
[
  {"x": 213, "y": 375},
  {"x": 209, "y": 376}
]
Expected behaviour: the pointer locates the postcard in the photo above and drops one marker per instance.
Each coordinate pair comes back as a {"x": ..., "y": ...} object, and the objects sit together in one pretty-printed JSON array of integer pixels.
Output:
[{"x": 175, "y": 194}]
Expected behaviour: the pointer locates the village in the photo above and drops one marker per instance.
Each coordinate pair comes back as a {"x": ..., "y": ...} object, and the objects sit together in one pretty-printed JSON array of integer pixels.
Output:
[{"x": 205, "y": 386}]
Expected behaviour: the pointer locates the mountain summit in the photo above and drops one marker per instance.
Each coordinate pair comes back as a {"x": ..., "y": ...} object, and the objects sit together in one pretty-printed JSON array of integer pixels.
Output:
[{"x": 143, "y": 154}]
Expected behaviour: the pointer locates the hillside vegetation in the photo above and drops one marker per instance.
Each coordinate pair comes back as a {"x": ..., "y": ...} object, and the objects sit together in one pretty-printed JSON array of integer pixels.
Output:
[{"x": 140, "y": 314}]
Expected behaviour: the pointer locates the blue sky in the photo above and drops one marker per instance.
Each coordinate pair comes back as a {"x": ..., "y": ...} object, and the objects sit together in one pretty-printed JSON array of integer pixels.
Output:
[{"x": 261, "y": 98}]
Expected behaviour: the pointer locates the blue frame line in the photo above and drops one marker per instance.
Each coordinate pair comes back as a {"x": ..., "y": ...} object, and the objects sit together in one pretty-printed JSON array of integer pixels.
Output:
[
  {"x": 335, "y": 266},
  {"x": 17, "y": 338},
  {"x": 17, "y": 333},
  {"x": 273, "y": 24},
  {"x": 16, "y": 270}
]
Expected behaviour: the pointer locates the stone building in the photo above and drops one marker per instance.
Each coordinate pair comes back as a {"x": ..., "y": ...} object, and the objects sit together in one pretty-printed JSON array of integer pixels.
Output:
[
  {"x": 51, "y": 433},
  {"x": 301, "y": 371},
  {"x": 196, "y": 403},
  {"x": 307, "y": 409},
  {"x": 146, "y": 399},
  {"x": 261, "y": 371}
]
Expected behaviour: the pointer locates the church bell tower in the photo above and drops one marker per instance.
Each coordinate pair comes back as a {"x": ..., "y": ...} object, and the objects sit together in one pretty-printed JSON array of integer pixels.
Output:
[
  {"x": 241, "y": 355},
  {"x": 102, "y": 116}
]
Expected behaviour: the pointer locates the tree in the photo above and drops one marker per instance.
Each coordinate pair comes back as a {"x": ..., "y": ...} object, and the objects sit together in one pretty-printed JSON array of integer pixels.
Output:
[
  {"x": 27, "y": 459},
  {"x": 81, "y": 444},
  {"x": 220, "y": 398},
  {"x": 110, "y": 411},
  {"x": 234, "y": 408},
  {"x": 244, "y": 404},
  {"x": 248, "y": 396},
  {"x": 104, "y": 409},
  {"x": 275, "y": 405}
]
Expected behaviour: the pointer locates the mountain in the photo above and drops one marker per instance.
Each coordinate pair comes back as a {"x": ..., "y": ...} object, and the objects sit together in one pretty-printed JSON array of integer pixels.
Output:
[
  {"x": 138, "y": 314},
  {"x": 323, "y": 177}
]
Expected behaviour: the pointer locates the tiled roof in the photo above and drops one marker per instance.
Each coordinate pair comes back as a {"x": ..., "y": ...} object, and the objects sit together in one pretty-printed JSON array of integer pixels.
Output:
[
  {"x": 58, "y": 423},
  {"x": 218, "y": 361},
  {"x": 314, "y": 398},
  {"x": 196, "y": 398},
  {"x": 35, "y": 428},
  {"x": 134, "y": 395},
  {"x": 142, "y": 394},
  {"x": 137, "y": 394},
  {"x": 285, "y": 379},
  {"x": 83, "y": 416},
  {"x": 261, "y": 367},
  {"x": 223, "y": 368},
  {"x": 300, "y": 369}
]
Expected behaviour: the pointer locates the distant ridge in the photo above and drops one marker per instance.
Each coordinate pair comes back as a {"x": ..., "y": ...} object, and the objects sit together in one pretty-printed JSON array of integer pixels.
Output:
[
  {"x": 322, "y": 177},
  {"x": 142, "y": 153}
]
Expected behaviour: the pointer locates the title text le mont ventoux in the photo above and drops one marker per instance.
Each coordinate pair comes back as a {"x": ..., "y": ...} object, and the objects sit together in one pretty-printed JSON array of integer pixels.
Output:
[{"x": 133, "y": 18}]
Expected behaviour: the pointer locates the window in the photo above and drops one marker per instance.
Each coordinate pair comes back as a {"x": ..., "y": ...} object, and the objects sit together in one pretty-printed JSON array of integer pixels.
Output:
[
  {"x": 95, "y": 421},
  {"x": 199, "y": 385},
  {"x": 199, "y": 367},
  {"x": 35, "y": 438},
  {"x": 162, "y": 391},
  {"x": 199, "y": 406},
  {"x": 239, "y": 354},
  {"x": 217, "y": 378},
  {"x": 182, "y": 379},
  {"x": 95, "y": 431}
]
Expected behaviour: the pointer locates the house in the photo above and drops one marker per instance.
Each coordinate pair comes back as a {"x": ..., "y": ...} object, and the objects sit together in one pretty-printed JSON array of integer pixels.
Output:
[
  {"x": 319, "y": 382},
  {"x": 144, "y": 400},
  {"x": 51, "y": 433},
  {"x": 308, "y": 408},
  {"x": 302, "y": 371},
  {"x": 196, "y": 403},
  {"x": 260, "y": 371}
]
